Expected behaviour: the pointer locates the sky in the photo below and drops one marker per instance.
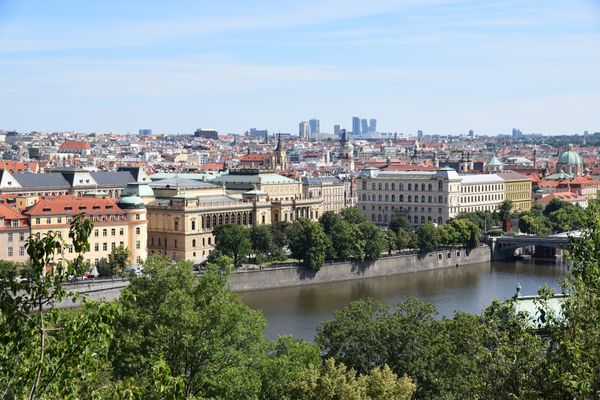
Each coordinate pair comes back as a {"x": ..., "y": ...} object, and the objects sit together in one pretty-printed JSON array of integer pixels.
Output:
[{"x": 441, "y": 66}]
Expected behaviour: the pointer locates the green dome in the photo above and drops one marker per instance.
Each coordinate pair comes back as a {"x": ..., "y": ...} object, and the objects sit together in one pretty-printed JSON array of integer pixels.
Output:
[
  {"x": 131, "y": 202},
  {"x": 494, "y": 162},
  {"x": 570, "y": 158}
]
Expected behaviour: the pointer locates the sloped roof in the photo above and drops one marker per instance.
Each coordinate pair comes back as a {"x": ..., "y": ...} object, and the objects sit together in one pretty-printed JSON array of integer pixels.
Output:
[
  {"x": 47, "y": 180},
  {"x": 72, "y": 205},
  {"x": 118, "y": 178}
]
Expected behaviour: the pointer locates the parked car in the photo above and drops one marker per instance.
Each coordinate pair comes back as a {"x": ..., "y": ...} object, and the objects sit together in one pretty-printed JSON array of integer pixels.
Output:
[{"x": 88, "y": 275}]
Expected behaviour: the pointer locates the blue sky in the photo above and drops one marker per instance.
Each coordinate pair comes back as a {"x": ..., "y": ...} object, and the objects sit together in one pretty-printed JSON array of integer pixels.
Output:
[{"x": 442, "y": 66}]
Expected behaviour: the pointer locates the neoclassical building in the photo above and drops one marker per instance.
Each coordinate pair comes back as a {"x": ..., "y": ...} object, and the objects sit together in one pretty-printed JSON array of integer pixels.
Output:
[
  {"x": 426, "y": 196},
  {"x": 185, "y": 212}
]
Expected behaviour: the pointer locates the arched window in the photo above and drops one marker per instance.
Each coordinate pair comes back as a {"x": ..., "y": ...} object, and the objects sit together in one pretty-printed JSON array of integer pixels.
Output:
[
  {"x": 393, "y": 198},
  {"x": 429, "y": 199},
  {"x": 409, "y": 198},
  {"x": 401, "y": 198},
  {"x": 379, "y": 185},
  {"x": 440, "y": 186},
  {"x": 422, "y": 219},
  {"x": 422, "y": 187},
  {"x": 387, "y": 198},
  {"x": 401, "y": 186},
  {"x": 176, "y": 224},
  {"x": 393, "y": 186},
  {"x": 380, "y": 197},
  {"x": 429, "y": 187},
  {"x": 364, "y": 197},
  {"x": 194, "y": 243},
  {"x": 423, "y": 199},
  {"x": 408, "y": 218},
  {"x": 409, "y": 186},
  {"x": 373, "y": 186},
  {"x": 386, "y": 186},
  {"x": 439, "y": 220}
]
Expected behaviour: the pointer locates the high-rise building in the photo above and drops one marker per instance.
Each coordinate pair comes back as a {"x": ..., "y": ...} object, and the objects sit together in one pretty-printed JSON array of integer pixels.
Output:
[
  {"x": 207, "y": 133},
  {"x": 145, "y": 132},
  {"x": 314, "y": 127},
  {"x": 337, "y": 130},
  {"x": 373, "y": 125},
  {"x": 356, "y": 126},
  {"x": 419, "y": 134},
  {"x": 303, "y": 130},
  {"x": 364, "y": 125}
]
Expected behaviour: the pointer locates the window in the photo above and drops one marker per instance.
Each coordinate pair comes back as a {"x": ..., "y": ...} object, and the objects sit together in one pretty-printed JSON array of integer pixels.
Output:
[
  {"x": 59, "y": 220},
  {"x": 429, "y": 187},
  {"x": 21, "y": 236},
  {"x": 104, "y": 246},
  {"x": 104, "y": 232},
  {"x": 113, "y": 232},
  {"x": 176, "y": 224},
  {"x": 409, "y": 187},
  {"x": 96, "y": 232},
  {"x": 193, "y": 224},
  {"x": 137, "y": 217},
  {"x": 10, "y": 237},
  {"x": 138, "y": 245},
  {"x": 48, "y": 220},
  {"x": 37, "y": 221},
  {"x": 15, "y": 223},
  {"x": 113, "y": 245},
  {"x": 10, "y": 252},
  {"x": 193, "y": 242},
  {"x": 121, "y": 244},
  {"x": 137, "y": 230},
  {"x": 401, "y": 198},
  {"x": 121, "y": 232}
]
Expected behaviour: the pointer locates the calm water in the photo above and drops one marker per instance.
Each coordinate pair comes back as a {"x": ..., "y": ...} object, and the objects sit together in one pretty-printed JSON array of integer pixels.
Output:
[{"x": 298, "y": 311}]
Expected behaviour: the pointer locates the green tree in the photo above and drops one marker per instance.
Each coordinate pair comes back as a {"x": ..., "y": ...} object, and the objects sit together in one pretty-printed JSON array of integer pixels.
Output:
[
  {"x": 308, "y": 243},
  {"x": 336, "y": 381},
  {"x": 104, "y": 268},
  {"x": 397, "y": 223},
  {"x": 233, "y": 241},
  {"x": 44, "y": 352},
  {"x": 390, "y": 241},
  {"x": 567, "y": 218},
  {"x": 263, "y": 244},
  {"x": 373, "y": 239},
  {"x": 203, "y": 332},
  {"x": 554, "y": 205},
  {"x": 119, "y": 258},
  {"x": 505, "y": 209},
  {"x": 353, "y": 215},
  {"x": 406, "y": 239},
  {"x": 279, "y": 230},
  {"x": 342, "y": 237},
  {"x": 329, "y": 219},
  {"x": 428, "y": 238},
  {"x": 535, "y": 225}
]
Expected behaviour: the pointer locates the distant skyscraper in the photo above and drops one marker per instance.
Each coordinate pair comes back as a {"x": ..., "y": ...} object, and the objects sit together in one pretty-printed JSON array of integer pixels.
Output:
[
  {"x": 145, "y": 132},
  {"x": 471, "y": 133},
  {"x": 373, "y": 125},
  {"x": 516, "y": 133},
  {"x": 314, "y": 127},
  {"x": 337, "y": 130},
  {"x": 364, "y": 125},
  {"x": 303, "y": 130},
  {"x": 356, "y": 126},
  {"x": 419, "y": 134}
]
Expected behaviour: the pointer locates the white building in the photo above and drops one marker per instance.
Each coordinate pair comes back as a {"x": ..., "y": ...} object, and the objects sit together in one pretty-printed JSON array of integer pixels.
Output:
[{"x": 425, "y": 196}]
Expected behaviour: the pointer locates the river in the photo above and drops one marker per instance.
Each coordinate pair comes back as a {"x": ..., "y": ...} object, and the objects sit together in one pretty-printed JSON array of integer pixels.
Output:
[{"x": 300, "y": 310}]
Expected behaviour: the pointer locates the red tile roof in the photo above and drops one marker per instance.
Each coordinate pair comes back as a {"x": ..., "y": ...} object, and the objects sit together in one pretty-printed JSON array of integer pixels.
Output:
[
  {"x": 18, "y": 166},
  {"x": 72, "y": 205},
  {"x": 255, "y": 157},
  {"x": 10, "y": 213},
  {"x": 74, "y": 145}
]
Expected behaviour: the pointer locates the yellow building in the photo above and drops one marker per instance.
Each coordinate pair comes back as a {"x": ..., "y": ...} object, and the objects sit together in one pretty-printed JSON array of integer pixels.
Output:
[
  {"x": 115, "y": 224},
  {"x": 185, "y": 212},
  {"x": 517, "y": 188}
]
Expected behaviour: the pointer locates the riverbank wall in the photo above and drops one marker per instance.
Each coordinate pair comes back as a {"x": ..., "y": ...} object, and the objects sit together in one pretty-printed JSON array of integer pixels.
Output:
[{"x": 288, "y": 276}]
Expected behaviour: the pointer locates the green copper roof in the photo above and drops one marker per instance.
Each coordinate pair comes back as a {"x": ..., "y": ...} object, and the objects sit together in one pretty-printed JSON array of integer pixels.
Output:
[
  {"x": 266, "y": 178},
  {"x": 570, "y": 158},
  {"x": 494, "y": 162}
]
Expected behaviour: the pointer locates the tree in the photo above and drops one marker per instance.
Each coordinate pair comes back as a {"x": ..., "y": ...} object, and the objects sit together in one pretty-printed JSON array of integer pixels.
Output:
[
  {"x": 329, "y": 219},
  {"x": 119, "y": 258},
  {"x": 535, "y": 225},
  {"x": 104, "y": 268},
  {"x": 279, "y": 234},
  {"x": 336, "y": 381},
  {"x": 204, "y": 333},
  {"x": 406, "y": 239},
  {"x": 263, "y": 245},
  {"x": 390, "y": 241},
  {"x": 373, "y": 239},
  {"x": 567, "y": 218},
  {"x": 554, "y": 205},
  {"x": 342, "y": 239},
  {"x": 233, "y": 241},
  {"x": 397, "y": 223},
  {"x": 428, "y": 238},
  {"x": 44, "y": 352},
  {"x": 308, "y": 243},
  {"x": 353, "y": 215},
  {"x": 505, "y": 209}
]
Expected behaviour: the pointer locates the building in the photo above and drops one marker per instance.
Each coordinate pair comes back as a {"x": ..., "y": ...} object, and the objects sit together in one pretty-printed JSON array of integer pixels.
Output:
[
  {"x": 14, "y": 231},
  {"x": 303, "y": 130},
  {"x": 78, "y": 147},
  {"x": 569, "y": 197},
  {"x": 185, "y": 212},
  {"x": 425, "y": 196},
  {"x": 121, "y": 223},
  {"x": 329, "y": 188},
  {"x": 570, "y": 163},
  {"x": 337, "y": 130},
  {"x": 518, "y": 189},
  {"x": 373, "y": 125},
  {"x": 493, "y": 166},
  {"x": 145, "y": 132},
  {"x": 346, "y": 153},
  {"x": 206, "y": 133},
  {"x": 364, "y": 125},
  {"x": 253, "y": 132},
  {"x": 356, "y": 129},
  {"x": 315, "y": 129}
]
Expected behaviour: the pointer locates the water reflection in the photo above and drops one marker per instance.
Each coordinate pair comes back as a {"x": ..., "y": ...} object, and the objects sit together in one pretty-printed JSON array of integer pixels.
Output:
[{"x": 300, "y": 310}]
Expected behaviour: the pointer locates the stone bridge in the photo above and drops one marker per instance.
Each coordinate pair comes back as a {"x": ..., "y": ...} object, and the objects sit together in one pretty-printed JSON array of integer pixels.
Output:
[{"x": 505, "y": 246}]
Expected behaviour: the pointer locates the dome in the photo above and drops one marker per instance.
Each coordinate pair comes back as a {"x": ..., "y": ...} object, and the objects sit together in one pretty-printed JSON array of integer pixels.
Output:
[
  {"x": 494, "y": 162},
  {"x": 131, "y": 202},
  {"x": 570, "y": 158}
]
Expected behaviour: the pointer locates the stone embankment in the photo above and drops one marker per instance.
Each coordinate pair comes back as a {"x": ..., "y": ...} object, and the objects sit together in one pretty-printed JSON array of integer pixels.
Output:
[{"x": 290, "y": 275}]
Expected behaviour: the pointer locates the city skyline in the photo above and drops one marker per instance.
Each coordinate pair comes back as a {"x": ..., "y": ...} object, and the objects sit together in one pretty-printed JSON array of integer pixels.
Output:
[{"x": 437, "y": 66}]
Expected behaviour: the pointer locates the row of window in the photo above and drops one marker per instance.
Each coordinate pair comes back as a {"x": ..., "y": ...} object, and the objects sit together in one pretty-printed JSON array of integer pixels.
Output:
[
  {"x": 21, "y": 236},
  {"x": 383, "y": 218},
  {"x": 10, "y": 252},
  {"x": 480, "y": 188},
  {"x": 113, "y": 231},
  {"x": 478, "y": 199},
  {"x": 113, "y": 245},
  {"x": 409, "y": 186},
  {"x": 95, "y": 218},
  {"x": 409, "y": 198},
  {"x": 176, "y": 243}
]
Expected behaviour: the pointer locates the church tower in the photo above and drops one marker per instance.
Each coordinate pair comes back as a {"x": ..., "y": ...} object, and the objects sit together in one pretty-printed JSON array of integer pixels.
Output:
[
  {"x": 280, "y": 156},
  {"x": 347, "y": 152}
]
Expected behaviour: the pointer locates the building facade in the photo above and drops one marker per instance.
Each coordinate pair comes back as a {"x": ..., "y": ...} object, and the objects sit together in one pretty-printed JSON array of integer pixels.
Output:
[
  {"x": 14, "y": 231},
  {"x": 517, "y": 188}
]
